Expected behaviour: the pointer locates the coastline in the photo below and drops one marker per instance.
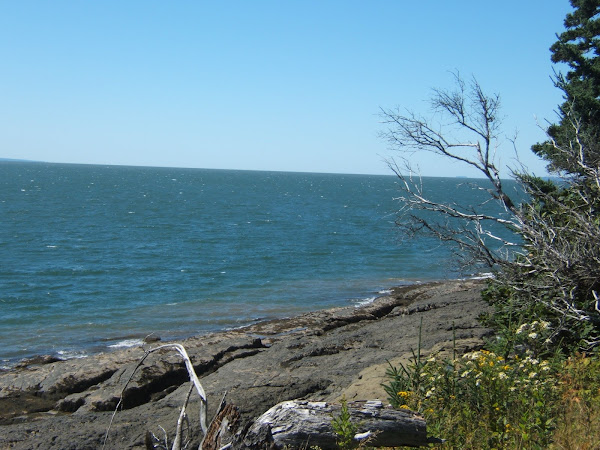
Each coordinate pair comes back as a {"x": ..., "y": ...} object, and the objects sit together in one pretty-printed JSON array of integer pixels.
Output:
[
  {"x": 320, "y": 355},
  {"x": 126, "y": 339}
]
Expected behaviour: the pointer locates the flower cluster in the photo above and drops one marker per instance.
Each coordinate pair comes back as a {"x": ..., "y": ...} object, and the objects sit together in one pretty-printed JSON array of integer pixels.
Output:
[
  {"x": 534, "y": 333},
  {"x": 505, "y": 396}
]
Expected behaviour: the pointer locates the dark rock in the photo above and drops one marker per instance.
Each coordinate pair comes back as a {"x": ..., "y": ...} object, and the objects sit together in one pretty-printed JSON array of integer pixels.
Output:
[
  {"x": 151, "y": 338},
  {"x": 315, "y": 356},
  {"x": 39, "y": 359}
]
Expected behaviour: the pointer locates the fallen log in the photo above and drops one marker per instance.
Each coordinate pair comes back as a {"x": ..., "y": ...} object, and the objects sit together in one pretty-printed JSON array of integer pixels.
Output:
[{"x": 301, "y": 424}]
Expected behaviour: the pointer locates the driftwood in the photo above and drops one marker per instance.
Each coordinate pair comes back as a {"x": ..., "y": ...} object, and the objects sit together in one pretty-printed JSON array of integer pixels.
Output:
[
  {"x": 150, "y": 438},
  {"x": 301, "y": 424},
  {"x": 290, "y": 424}
]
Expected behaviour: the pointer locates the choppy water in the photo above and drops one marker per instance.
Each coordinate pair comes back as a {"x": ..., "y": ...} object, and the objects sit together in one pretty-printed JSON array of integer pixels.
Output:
[{"x": 94, "y": 257}]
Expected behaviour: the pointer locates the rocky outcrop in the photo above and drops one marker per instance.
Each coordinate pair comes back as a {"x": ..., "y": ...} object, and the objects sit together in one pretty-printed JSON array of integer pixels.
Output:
[{"x": 318, "y": 356}]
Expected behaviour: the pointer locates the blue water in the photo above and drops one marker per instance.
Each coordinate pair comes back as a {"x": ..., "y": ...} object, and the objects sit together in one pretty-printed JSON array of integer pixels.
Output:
[{"x": 94, "y": 257}]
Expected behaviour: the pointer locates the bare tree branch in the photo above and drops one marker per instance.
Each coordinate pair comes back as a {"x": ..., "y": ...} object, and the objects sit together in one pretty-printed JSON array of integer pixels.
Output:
[{"x": 547, "y": 247}]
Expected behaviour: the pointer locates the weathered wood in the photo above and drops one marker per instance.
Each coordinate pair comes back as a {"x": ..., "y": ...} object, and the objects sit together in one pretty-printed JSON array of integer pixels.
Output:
[
  {"x": 222, "y": 429},
  {"x": 300, "y": 424}
]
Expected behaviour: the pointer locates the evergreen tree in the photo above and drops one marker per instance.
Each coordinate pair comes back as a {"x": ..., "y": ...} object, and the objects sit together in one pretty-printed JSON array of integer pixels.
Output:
[
  {"x": 579, "y": 48},
  {"x": 558, "y": 276}
]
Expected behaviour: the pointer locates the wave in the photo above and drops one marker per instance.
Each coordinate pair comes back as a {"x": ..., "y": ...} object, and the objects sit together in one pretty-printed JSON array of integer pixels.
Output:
[{"x": 127, "y": 343}]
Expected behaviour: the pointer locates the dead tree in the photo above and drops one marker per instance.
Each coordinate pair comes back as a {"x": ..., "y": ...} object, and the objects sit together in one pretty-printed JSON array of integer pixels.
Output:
[
  {"x": 546, "y": 246},
  {"x": 464, "y": 128}
]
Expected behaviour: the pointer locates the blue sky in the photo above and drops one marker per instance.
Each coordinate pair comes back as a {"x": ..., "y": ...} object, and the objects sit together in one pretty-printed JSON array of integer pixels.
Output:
[{"x": 261, "y": 85}]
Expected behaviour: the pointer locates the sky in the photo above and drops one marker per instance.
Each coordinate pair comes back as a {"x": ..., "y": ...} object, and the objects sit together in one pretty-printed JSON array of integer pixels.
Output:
[{"x": 263, "y": 85}]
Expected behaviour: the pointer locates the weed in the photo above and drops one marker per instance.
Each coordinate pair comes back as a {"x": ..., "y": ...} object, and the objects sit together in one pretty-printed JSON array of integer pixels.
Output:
[{"x": 344, "y": 428}]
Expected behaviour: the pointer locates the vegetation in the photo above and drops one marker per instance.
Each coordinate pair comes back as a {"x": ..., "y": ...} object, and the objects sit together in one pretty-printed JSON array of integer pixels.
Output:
[
  {"x": 556, "y": 274},
  {"x": 485, "y": 400},
  {"x": 344, "y": 428},
  {"x": 537, "y": 384},
  {"x": 545, "y": 251}
]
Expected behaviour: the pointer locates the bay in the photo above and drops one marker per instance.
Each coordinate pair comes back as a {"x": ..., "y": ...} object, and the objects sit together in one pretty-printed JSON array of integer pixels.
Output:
[{"x": 97, "y": 257}]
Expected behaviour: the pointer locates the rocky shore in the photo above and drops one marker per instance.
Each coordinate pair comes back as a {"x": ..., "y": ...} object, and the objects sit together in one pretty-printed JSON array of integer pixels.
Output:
[{"x": 322, "y": 355}]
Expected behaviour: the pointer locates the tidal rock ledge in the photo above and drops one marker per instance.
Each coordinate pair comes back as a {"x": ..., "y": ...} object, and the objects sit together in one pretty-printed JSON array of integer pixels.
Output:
[{"x": 318, "y": 356}]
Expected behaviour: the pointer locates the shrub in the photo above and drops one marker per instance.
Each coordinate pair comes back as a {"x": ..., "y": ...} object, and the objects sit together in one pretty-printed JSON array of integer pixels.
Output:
[{"x": 482, "y": 399}]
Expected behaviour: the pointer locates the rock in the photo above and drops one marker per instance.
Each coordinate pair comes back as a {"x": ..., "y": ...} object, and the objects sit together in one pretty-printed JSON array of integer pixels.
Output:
[
  {"x": 151, "y": 338},
  {"x": 317, "y": 356},
  {"x": 40, "y": 359}
]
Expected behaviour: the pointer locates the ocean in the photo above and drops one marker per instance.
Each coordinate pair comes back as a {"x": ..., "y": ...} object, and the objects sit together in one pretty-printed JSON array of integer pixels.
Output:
[{"x": 97, "y": 257}]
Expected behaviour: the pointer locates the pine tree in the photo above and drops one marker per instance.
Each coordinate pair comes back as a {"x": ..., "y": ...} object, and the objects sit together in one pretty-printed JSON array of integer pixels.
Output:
[
  {"x": 558, "y": 277},
  {"x": 579, "y": 48}
]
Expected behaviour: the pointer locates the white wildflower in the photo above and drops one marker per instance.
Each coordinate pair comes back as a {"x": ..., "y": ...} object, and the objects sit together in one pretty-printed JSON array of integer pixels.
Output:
[
  {"x": 522, "y": 328},
  {"x": 532, "y": 335},
  {"x": 472, "y": 356}
]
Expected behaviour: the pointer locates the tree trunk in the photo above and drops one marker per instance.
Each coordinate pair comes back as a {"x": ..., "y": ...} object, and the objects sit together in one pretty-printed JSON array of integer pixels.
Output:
[{"x": 301, "y": 424}]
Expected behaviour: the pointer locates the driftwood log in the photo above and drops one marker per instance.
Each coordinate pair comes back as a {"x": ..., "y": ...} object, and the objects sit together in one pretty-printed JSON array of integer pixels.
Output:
[{"x": 301, "y": 424}]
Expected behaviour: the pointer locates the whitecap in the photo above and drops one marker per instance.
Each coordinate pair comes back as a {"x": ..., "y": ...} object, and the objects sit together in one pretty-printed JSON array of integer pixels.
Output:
[
  {"x": 483, "y": 276},
  {"x": 127, "y": 343},
  {"x": 364, "y": 301},
  {"x": 71, "y": 354}
]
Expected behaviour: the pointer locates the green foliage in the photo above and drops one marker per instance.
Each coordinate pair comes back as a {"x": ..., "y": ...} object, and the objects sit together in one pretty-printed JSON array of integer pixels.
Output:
[
  {"x": 529, "y": 387},
  {"x": 577, "y": 47},
  {"x": 556, "y": 277},
  {"x": 406, "y": 380},
  {"x": 344, "y": 428},
  {"x": 483, "y": 399}
]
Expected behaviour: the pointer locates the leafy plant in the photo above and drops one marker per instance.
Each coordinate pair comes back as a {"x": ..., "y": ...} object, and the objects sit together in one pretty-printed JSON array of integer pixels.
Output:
[
  {"x": 344, "y": 428},
  {"x": 482, "y": 399},
  {"x": 405, "y": 383}
]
